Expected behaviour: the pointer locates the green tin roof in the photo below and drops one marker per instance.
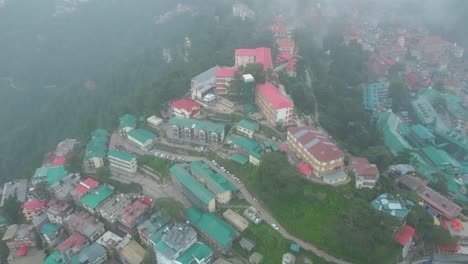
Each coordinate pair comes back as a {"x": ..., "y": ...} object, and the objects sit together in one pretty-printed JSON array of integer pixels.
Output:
[
  {"x": 239, "y": 158},
  {"x": 388, "y": 204},
  {"x": 388, "y": 123},
  {"x": 198, "y": 124},
  {"x": 120, "y": 155},
  {"x": 216, "y": 182},
  {"x": 97, "y": 146},
  {"x": 57, "y": 258},
  {"x": 249, "y": 125},
  {"x": 197, "y": 251},
  {"x": 97, "y": 196},
  {"x": 49, "y": 229},
  {"x": 455, "y": 106},
  {"x": 440, "y": 158},
  {"x": 127, "y": 120},
  {"x": 179, "y": 172},
  {"x": 142, "y": 135},
  {"x": 41, "y": 172},
  {"x": 422, "y": 132},
  {"x": 212, "y": 226},
  {"x": 99, "y": 133},
  {"x": 55, "y": 174},
  {"x": 245, "y": 143}
]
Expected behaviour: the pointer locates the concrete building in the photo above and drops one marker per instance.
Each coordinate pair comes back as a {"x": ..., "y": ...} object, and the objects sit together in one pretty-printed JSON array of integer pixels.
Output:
[
  {"x": 248, "y": 147},
  {"x": 18, "y": 236},
  {"x": 73, "y": 244},
  {"x": 32, "y": 208},
  {"x": 214, "y": 182},
  {"x": 113, "y": 207},
  {"x": 405, "y": 237},
  {"x": 130, "y": 252},
  {"x": 39, "y": 221},
  {"x": 219, "y": 234},
  {"x": 191, "y": 188},
  {"x": 247, "y": 244},
  {"x": 96, "y": 148},
  {"x": 63, "y": 188},
  {"x": 203, "y": 84},
  {"x": 49, "y": 175},
  {"x": 286, "y": 45},
  {"x": 247, "y": 127},
  {"x": 154, "y": 122},
  {"x": 174, "y": 243},
  {"x": 122, "y": 162},
  {"x": 197, "y": 130},
  {"x": 242, "y": 10},
  {"x": 223, "y": 78},
  {"x": 85, "y": 224},
  {"x": 248, "y": 56},
  {"x": 255, "y": 258},
  {"x": 156, "y": 222},
  {"x": 388, "y": 204},
  {"x": 58, "y": 210},
  {"x": 142, "y": 138},
  {"x": 235, "y": 219},
  {"x": 92, "y": 254},
  {"x": 126, "y": 124},
  {"x": 53, "y": 234},
  {"x": 133, "y": 215},
  {"x": 16, "y": 189},
  {"x": 83, "y": 187},
  {"x": 26, "y": 256},
  {"x": 375, "y": 97},
  {"x": 439, "y": 203},
  {"x": 274, "y": 106},
  {"x": 366, "y": 174},
  {"x": 95, "y": 197},
  {"x": 110, "y": 241},
  {"x": 314, "y": 148},
  {"x": 185, "y": 108}
]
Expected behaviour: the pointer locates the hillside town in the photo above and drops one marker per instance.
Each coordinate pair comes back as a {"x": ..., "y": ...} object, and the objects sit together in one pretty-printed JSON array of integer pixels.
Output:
[{"x": 114, "y": 208}]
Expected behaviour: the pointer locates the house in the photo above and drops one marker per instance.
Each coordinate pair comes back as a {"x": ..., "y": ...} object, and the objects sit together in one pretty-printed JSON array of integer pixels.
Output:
[
  {"x": 386, "y": 203},
  {"x": 154, "y": 122},
  {"x": 314, "y": 148},
  {"x": 95, "y": 197},
  {"x": 121, "y": 162},
  {"x": 127, "y": 123},
  {"x": 130, "y": 252},
  {"x": 73, "y": 244},
  {"x": 156, "y": 222},
  {"x": 366, "y": 174},
  {"x": 92, "y": 254},
  {"x": 247, "y": 127},
  {"x": 83, "y": 188},
  {"x": 62, "y": 153},
  {"x": 235, "y": 219},
  {"x": 85, "y": 224},
  {"x": 15, "y": 189},
  {"x": 110, "y": 209},
  {"x": 198, "y": 253},
  {"x": 240, "y": 158},
  {"x": 26, "y": 255},
  {"x": 191, "y": 188},
  {"x": 286, "y": 45},
  {"x": 223, "y": 78},
  {"x": 203, "y": 84},
  {"x": 49, "y": 175},
  {"x": 242, "y": 10},
  {"x": 185, "y": 108},
  {"x": 278, "y": 30},
  {"x": 259, "y": 56},
  {"x": 96, "y": 148},
  {"x": 405, "y": 237},
  {"x": 274, "y": 106},
  {"x": 62, "y": 189},
  {"x": 249, "y": 146},
  {"x": 255, "y": 258},
  {"x": 197, "y": 130},
  {"x": 110, "y": 241},
  {"x": 18, "y": 236},
  {"x": 32, "y": 208},
  {"x": 58, "y": 210},
  {"x": 247, "y": 244},
  {"x": 142, "y": 138},
  {"x": 288, "y": 258},
  {"x": 132, "y": 215},
  {"x": 174, "y": 242},
  {"x": 217, "y": 232},
  {"x": 39, "y": 221},
  {"x": 457, "y": 228},
  {"x": 53, "y": 233},
  {"x": 439, "y": 203}
]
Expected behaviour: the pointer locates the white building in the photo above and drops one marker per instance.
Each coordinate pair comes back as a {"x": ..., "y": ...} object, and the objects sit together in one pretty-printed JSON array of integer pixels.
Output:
[
  {"x": 154, "y": 121},
  {"x": 122, "y": 162},
  {"x": 142, "y": 138}
]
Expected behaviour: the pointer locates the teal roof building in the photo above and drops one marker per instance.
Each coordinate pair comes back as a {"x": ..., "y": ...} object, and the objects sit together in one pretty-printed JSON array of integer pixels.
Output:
[
  {"x": 374, "y": 96},
  {"x": 387, "y": 204},
  {"x": 214, "y": 182}
]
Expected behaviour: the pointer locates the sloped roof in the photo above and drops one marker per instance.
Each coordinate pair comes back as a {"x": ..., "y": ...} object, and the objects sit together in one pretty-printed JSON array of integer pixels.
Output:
[
  {"x": 120, "y": 155},
  {"x": 127, "y": 120},
  {"x": 388, "y": 204},
  {"x": 362, "y": 167},
  {"x": 225, "y": 72},
  {"x": 193, "y": 254},
  {"x": 262, "y": 56},
  {"x": 405, "y": 233},
  {"x": 185, "y": 103},
  {"x": 245, "y": 143},
  {"x": 239, "y": 158},
  {"x": 316, "y": 143},
  {"x": 97, "y": 196},
  {"x": 191, "y": 184},
  {"x": 34, "y": 205},
  {"x": 274, "y": 96},
  {"x": 142, "y": 135}
]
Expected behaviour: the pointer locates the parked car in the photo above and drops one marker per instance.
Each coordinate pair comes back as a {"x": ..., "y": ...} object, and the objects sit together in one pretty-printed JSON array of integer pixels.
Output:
[{"x": 274, "y": 226}]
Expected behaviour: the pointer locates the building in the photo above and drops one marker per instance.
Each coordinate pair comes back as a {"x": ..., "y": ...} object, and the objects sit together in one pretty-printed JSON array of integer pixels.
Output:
[
  {"x": 248, "y": 146},
  {"x": 85, "y": 224},
  {"x": 156, "y": 222},
  {"x": 130, "y": 252},
  {"x": 248, "y": 56},
  {"x": 286, "y": 45},
  {"x": 214, "y": 182},
  {"x": 142, "y": 138},
  {"x": 26, "y": 255},
  {"x": 39, "y": 221},
  {"x": 15, "y": 189},
  {"x": 247, "y": 127},
  {"x": 366, "y": 174},
  {"x": 96, "y": 148},
  {"x": 197, "y": 130},
  {"x": 122, "y": 162},
  {"x": 247, "y": 244},
  {"x": 62, "y": 190},
  {"x": 72, "y": 245},
  {"x": 62, "y": 153},
  {"x": 274, "y": 106},
  {"x": 375, "y": 97},
  {"x": 53, "y": 233},
  {"x": 83, "y": 187},
  {"x": 203, "y": 84},
  {"x": 386, "y": 203},
  {"x": 32, "y": 208},
  {"x": 92, "y": 254},
  {"x": 154, "y": 122},
  {"x": 314, "y": 148},
  {"x": 235, "y": 219},
  {"x": 113, "y": 207},
  {"x": 174, "y": 242},
  {"x": 288, "y": 258},
  {"x": 255, "y": 258},
  {"x": 126, "y": 124},
  {"x": 110, "y": 241},
  {"x": 191, "y": 188},
  {"x": 49, "y": 175},
  {"x": 223, "y": 78},
  {"x": 133, "y": 215},
  {"x": 185, "y": 108},
  {"x": 439, "y": 203},
  {"x": 217, "y": 232},
  {"x": 198, "y": 253},
  {"x": 95, "y": 197},
  {"x": 58, "y": 210},
  {"x": 242, "y": 10},
  {"x": 18, "y": 236},
  {"x": 405, "y": 237}
]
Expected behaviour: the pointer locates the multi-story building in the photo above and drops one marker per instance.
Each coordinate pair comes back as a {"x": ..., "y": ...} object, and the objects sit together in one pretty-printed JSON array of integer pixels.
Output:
[
  {"x": 203, "y": 84},
  {"x": 405, "y": 237},
  {"x": 62, "y": 189},
  {"x": 130, "y": 252},
  {"x": 247, "y": 127},
  {"x": 191, "y": 188},
  {"x": 375, "y": 97},
  {"x": 122, "y": 162},
  {"x": 73, "y": 244},
  {"x": 96, "y": 148},
  {"x": 92, "y": 254},
  {"x": 32, "y": 208},
  {"x": 156, "y": 222},
  {"x": 110, "y": 241},
  {"x": 197, "y": 130},
  {"x": 223, "y": 78},
  {"x": 95, "y": 197},
  {"x": 142, "y": 138},
  {"x": 274, "y": 106},
  {"x": 185, "y": 107},
  {"x": 83, "y": 188},
  {"x": 439, "y": 203},
  {"x": 52, "y": 233},
  {"x": 286, "y": 45},
  {"x": 133, "y": 215},
  {"x": 49, "y": 175},
  {"x": 17, "y": 236},
  {"x": 366, "y": 174},
  {"x": 314, "y": 148},
  {"x": 58, "y": 210},
  {"x": 85, "y": 224},
  {"x": 248, "y": 56},
  {"x": 174, "y": 243},
  {"x": 113, "y": 207},
  {"x": 26, "y": 256},
  {"x": 126, "y": 124}
]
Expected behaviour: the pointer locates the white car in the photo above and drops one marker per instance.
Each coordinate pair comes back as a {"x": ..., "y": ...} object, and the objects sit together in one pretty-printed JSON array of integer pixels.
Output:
[{"x": 274, "y": 226}]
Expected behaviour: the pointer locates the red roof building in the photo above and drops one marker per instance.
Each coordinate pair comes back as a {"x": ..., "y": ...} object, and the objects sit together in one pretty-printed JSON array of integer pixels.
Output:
[
  {"x": 439, "y": 203},
  {"x": 32, "y": 208},
  {"x": 22, "y": 251},
  {"x": 59, "y": 161},
  {"x": 84, "y": 187},
  {"x": 405, "y": 237},
  {"x": 133, "y": 215},
  {"x": 314, "y": 149},
  {"x": 277, "y": 108},
  {"x": 73, "y": 244},
  {"x": 283, "y": 57},
  {"x": 278, "y": 29},
  {"x": 286, "y": 45},
  {"x": 366, "y": 174},
  {"x": 185, "y": 107},
  {"x": 248, "y": 56},
  {"x": 223, "y": 77},
  {"x": 304, "y": 168}
]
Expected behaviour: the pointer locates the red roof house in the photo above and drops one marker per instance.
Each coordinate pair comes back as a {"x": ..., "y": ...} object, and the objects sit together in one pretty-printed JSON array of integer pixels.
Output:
[
  {"x": 22, "y": 251},
  {"x": 284, "y": 56},
  {"x": 366, "y": 174},
  {"x": 59, "y": 161},
  {"x": 74, "y": 243},
  {"x": 439, "y": 203},
  {"x": 84, "y": 187},
  {"x": 274, "y": 96},
  {"x": 223, "y": 77},
  {"x": 34, "y": 205},
  {"x": 304, "y": 168},
  {"x": 286, "y": 45},
  {"x": 278, "y": 29},
  {"x": 185, "y": 107},
  {"x": 404, "y": 235},
  {"x": 259, "y": 55}
]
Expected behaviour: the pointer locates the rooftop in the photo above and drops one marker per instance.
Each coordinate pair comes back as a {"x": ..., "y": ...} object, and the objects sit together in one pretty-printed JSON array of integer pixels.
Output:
[
  {"x": 109, "y": 240},
  {"x": 15, "y": 188},
  {"x": 49, "y": 229},
  {"x": 197, "y": 124},
  {"x": 132, "y": 212},
  {"x": 304, "y": 168},
  {"x": 115, "y": 204},
  {"x": 180, "y": 172},
  {"x": 448, "y": 208},
  {"x": 262, "y": 56},
  {"x": 403, "y": 235},
  {"x": 83, "y": 222},
  {"x": 34, "y": 205},
  {"x": 274, "y": 96},
  {"x": 142, "y": 135},
  {"x": 362, "y": 167},
  {"x": 26, "y": 256},
  {"x": 132, "y": 252},
  {"x": 91, "y": 253},
  {"x": 245, "y": 143},
  {"x": 185, "y": 103},
  {"x": 316, "y": 143},
  {"x": 248, "y": 124},
  {"x": 97, "y": 196},
  {"x": 216, "y": 182},
  {"x": 225, "y": 72},
  {"x": 239, "y": 158},
  {"x": 193, "y": 254},
  {"x": 120, "y": 155},
  {"x": 74, "y": 241},
  {"x": 388, "y": 204},
  {"x": 156, "y": 221},
  {"x": 175, "y": 239},
  {"x": 127, "y": 120}
]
